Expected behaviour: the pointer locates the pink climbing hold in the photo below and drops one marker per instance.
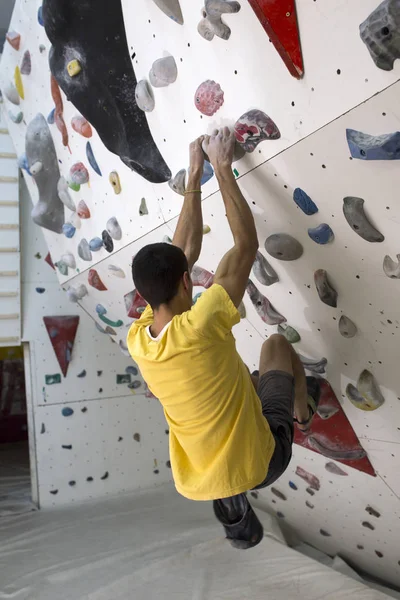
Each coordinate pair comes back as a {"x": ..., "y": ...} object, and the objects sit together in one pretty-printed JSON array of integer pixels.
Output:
[
  {"x": 81, "y": 126},
  {"x": 254, "y": 127},
  {"x": 26, "y": 64},
  {"x": 311, "y": 479},
  {"x": 201, "y": 277},
  {"x": 82, "y": 210},
  {"x": 79, "y": 174},
  {"x": 14, "y": 39},
  {"x": 209, "y": 97},
  {"x": 95, "y": 281}
]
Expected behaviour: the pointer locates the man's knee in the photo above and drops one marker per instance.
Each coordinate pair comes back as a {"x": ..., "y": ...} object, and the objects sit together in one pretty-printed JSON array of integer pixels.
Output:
[{"x": 276, "y": 341}]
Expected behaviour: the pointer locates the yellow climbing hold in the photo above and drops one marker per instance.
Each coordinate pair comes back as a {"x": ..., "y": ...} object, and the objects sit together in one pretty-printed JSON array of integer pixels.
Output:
[
  {"x": 206, "y": 229},
  {"x": 74, "y": 67},
  {"x": 115, "y": 182},
  {"x": 18, "y": 83}
]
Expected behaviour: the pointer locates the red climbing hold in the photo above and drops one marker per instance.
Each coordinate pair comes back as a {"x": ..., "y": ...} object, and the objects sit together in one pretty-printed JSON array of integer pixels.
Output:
[
  {"x": 95, "y": 281},
  {"x": 279, "y": 19},
  {"x": 59, "y": 109},
  {"x": 134, "y": 304},
  {"x": 62, "y": 332},
  {"x": 49, "y": 261},
  {"x": 334, "y": 438},
  {"x": 82, "y": 210}
]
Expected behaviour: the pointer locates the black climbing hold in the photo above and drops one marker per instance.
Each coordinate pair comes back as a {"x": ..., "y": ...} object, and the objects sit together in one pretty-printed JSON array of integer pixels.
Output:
[
  {"x": 67, "y": 447},
  {"x": 254, "y": 494},
  {"x": 379, "y": 554},
  {"x": 84, "y": 409},
  {"x": 105, "y": 476},
  {"x": 368, "y": 525},
  {"x": 43, "y": 428},
  {"x": 278, "y": 493},
  {"x": 167, "y": 431},
  {"x": 89, "y": 478},
  {"x": 168, "y": 464},
  {"x": 54, "y": 492},
  {"x": 310, "y": 491},
  {"x": 324, "y": 533},
  {"x": 371, "y": 511},
  {"x": 156, "y": 471},
  {"x": 120, "y": 439},
  {"x": 107, "y": 241},
  {"x": 82, "y": 373},
  {"x": 136, "y": 437},
  {"x": 99, "y": 373},
  {"x": 103, "y": 91},
  {"x": 72, "y": 483}
]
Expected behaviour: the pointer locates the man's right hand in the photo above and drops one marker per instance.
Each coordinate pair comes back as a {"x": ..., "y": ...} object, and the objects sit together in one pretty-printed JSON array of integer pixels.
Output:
[{"x": 219, "y": 147}]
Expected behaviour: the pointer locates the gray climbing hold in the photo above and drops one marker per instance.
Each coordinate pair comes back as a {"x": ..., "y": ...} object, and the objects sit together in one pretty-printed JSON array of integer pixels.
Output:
[
  {"x": 379, "y": 32},
  {"x": 346, "y": 327},
  {"x": 172, "y": 9},
  {"x": 278, "y": 493},
  {"x": 49, "y": 210},
  {"x": 11, "y": 93},
  {"x": 391, "y": 268},
  {"x": 242, "y": 310},
  {"x": 69, "y": 260},
  {"x": 16, "y": 118},
  {"x": 163, "y": 72},
  {"x": 144, "y": 96},
  {"x": 326, "y": 412},
  {"x": 95, "y": 244},
  {"x": 373, "y": 147},
  {"x": 322, "y": 234},
  {"x": 289, "y": 333},
  {"x": 83, "y": 250},
  {"x": 117, "y": 271},
  {"x": 211, "y": 23},
  {"x": 63, "y": 194},
  {"x": 353, "y": 210},
  {"x": 177, "y": 183},
  {"x": 333, "y": 468},
  {"x": 313, "y": 365},
  {"x": 143, "y": 207},
  {"x": 26, "y": 64},
  {"x": 263, "y": 306},
  {"x": 114, "y": 228},
  {"x": 369, "y": 389},
  {"x": 320, "y": 445},
  {"x": 371, "y": 511},
  {"x": 326, "y": 292},
  {"x": 67, "y": 411},
  {"x": 304, "y": 202},
  {"x": 77, "y": 293},
  {"x": 107, "y": 241},
  {"x": 263, "y": 270},
  {"x": 283, "y": 246}
]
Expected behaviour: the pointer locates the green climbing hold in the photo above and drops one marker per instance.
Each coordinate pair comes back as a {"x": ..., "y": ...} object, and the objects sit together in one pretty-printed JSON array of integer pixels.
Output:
[
  {"x": 123, "y": 378},
  {"x": 143, "y": 207},
  {"x": 51, "y": 379},
  {"x": 289, "y": 333},
  {"x": 74, "y": 186}
]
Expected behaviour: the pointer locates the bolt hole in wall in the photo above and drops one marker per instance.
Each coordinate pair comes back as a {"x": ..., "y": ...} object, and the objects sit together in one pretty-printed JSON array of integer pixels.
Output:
[{"x": 15, "y": 481}]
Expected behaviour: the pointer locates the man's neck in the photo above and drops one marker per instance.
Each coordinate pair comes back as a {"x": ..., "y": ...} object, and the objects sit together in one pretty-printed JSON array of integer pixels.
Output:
[{"x": 165, "y": 313}]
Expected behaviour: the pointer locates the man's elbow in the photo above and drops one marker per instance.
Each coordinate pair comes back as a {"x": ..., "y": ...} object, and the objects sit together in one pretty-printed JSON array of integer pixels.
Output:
[{"x": 248, "y": 248}]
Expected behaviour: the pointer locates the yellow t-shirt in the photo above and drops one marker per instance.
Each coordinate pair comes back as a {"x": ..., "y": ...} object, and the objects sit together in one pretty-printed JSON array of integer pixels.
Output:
[{"x": 220, "y": 442}]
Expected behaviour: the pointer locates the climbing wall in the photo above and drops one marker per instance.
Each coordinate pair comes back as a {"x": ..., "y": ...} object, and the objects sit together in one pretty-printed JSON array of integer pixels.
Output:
[
  {"x": 355, "y": 514},
  {"x": 92, "y": 434}
]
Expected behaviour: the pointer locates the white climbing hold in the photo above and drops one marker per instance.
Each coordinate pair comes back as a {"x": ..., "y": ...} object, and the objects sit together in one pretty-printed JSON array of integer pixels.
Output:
[
  {"x": 75, "y": 294},
  {"x": 391, "y": 268},
  {"x": 62, "y": 190},
  {"x": 83, "y": 250},
  {"x": 144, "y": 96},
  {"x": 36, "y": 167},
  {"x": 75, "y": 220},
  {"x": 69, "y": 260},
  {"x": 117, "y": 271},
  {"x": 212, "y": 24},
  {"x": 143, "y": 208},
  {"x": 114, "y": 228},
  {"x": 11, "y": 93},
  {"x": 163, "y": 72},
  {"x": 177, "y": 183}
]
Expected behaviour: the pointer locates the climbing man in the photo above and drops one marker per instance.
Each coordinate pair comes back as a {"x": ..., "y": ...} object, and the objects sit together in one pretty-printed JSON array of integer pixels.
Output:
[{"x": 229, "y": 431}]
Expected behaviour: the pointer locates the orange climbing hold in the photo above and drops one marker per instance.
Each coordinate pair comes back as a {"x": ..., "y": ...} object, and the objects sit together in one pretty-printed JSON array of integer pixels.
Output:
[
  {"x": 14, "y": 39},
  {"x": 58, "y": 112},
  {"x": 81, "y": 126},
  {"x": 95, "y": 281},
  {"x": 82, "y": 210}
]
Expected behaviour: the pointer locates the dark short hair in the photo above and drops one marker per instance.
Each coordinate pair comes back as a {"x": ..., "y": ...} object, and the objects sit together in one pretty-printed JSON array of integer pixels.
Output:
[{"x": 157, "y": 270}]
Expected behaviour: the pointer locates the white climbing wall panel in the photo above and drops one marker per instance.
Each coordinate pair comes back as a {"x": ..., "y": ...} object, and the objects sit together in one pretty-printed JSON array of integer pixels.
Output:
[
  {"x": 341, "y": 88},
  {"x": 10, "y": 305},
  {"x": 98, "y": 438}
]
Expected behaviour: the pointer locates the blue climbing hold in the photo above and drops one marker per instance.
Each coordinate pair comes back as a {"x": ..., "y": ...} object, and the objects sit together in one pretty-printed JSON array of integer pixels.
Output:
[
  {"x": 92, "y": 160},
  {"x": 50, "y": 118},
  {"x": 40, "y": 290},
  {"x": 280, "y": 515},
  {"x": 67, "y": 411},
  {"x": 304, "y": 202},
  {"x": 68, "y": 230},
  {"x": 95, "y": 244},
  {"x": 40, "y": 16},
  {"x": 135, "y": 384},
  {"x": 197, "y": 296},
  {"x": 373, "y": 147},
  {"x": 292, "y": 485},
  {"x": 131, "y": 370},
  {"x": 82, "y": 373},
  {"x": 208, "y": 172},
  {"x": 322, "y": 234},
  {"x": 100, "y": 309},
  {"x": 23, "y": 163}
]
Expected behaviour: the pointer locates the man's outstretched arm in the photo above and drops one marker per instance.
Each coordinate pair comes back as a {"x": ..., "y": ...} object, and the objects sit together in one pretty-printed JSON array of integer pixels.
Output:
[
  {"x": 189, "y": 231},
  {"x": 234, "y": 269}
]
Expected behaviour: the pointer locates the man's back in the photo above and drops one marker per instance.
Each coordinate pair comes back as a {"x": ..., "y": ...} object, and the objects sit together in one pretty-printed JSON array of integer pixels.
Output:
[{"x": 220, "y": 444}]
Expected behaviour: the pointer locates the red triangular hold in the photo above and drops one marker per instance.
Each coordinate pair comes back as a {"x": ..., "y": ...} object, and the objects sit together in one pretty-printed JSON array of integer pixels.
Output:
[
  {"x": 62, "y": 332},
  {"x": 49, "y": 261},
  {"x": 333, "y": 436},
  {"x": 279, "y": 19}
]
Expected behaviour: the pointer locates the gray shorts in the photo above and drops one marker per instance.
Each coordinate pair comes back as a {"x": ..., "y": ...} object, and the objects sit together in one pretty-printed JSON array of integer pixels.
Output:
[{"x": 276, "y": 393}]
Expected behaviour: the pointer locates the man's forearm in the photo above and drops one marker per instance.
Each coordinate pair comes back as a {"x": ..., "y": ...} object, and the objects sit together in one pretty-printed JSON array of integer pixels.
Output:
[
  {"x": 189, "y": 231},
  {"x": 240, "y": 217}
]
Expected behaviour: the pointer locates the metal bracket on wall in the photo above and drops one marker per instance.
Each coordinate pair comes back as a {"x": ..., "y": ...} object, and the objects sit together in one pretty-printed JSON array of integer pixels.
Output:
[{"x": 279, "y": 19}]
